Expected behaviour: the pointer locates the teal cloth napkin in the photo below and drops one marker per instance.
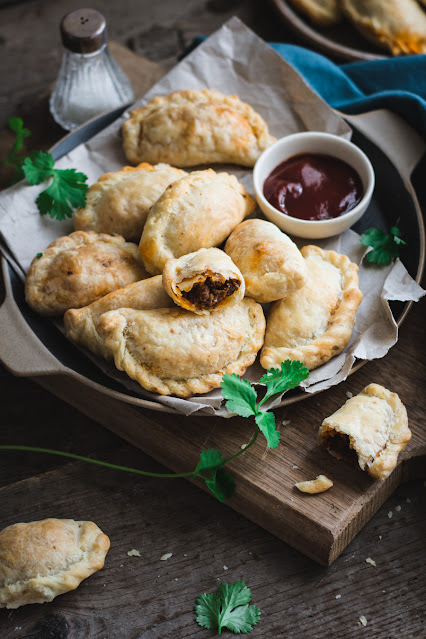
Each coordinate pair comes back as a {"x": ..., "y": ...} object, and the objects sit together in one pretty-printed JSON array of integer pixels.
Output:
[{"x": 397, "y": 84}]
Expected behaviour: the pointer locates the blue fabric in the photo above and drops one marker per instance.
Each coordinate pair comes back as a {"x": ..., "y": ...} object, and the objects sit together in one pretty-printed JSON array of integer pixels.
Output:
[{"x": 397, "y": 84}]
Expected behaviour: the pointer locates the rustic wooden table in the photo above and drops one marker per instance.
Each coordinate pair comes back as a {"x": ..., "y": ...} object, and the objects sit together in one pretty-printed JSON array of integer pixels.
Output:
[{"x": 140, "y": 596}]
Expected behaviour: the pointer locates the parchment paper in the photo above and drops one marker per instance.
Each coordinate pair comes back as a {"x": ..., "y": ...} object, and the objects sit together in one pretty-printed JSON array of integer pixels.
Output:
[{"x": 233, "y": 60}]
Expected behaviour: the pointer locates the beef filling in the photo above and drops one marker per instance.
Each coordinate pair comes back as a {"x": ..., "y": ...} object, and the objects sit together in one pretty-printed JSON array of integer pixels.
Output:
[
  {"x": 340, "y": 444},
  {"x": 208, "y": 294}
]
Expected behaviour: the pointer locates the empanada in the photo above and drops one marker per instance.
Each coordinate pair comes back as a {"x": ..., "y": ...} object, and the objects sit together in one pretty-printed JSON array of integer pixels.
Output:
[
  {"x": 198, "y": 211},
  {"x": 203, "y": 281},
  {"x": 78, "y": 269},
  {"x": 172, "y": 351},
  {"x": 370, "y": 429},
  {"x": 81, "y": 323},
  {"x": 118, "y": 203},
  {"x": 396, "y": 25},
  {"x": 323, "y": 13},
  {"x": 43, "y": 559},
  {"x": 315, "y": 322},
  {"x": 271, "y": 264},
  {"x": 192, "y": 127}
]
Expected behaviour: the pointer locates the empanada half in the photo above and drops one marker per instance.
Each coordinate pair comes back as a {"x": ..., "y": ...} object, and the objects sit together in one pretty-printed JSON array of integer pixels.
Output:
[
  {"x": 271, "y": 264},
  {"x": 203, "y": 281},
  {"x": 176, "y": 352},
  {"x": 315, "y": 322},
  {"x": 118, "y": 203},
  {"x": 370, "y": 429},
  {"x": 198, "y": 211},
  {"x": 193, "y": 127},
  {"x": 78, "y": 269},
  {"x": 81, "y": 324},
  {"x": 40, "y": 560}
]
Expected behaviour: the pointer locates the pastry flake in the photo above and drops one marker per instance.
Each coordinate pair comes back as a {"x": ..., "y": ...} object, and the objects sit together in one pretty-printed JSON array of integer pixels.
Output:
[
  {"x": 81, "y": 324},
  {"x": 323, "y": 13},
  {"x": 118, "y": 203},
  {"x": 176, "y": 352},
  {"x": 203, "y": 281},
  {"x": 315, "y": 322},
  {"x": 78, "y": 269},
  {"x": 40, "y": 560},
  {"x": 270, "y": 262},
  {"x": 370, "y": 430},
  {"x": 197, "y": 211},
  {"x": 396, "y": 25},
  {"x": 193, "y": 127},
  {"x": 314, "y": 486}
]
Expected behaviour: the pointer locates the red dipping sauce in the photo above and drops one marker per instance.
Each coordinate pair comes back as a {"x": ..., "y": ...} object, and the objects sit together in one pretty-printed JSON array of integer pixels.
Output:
[{"x": 312, "y": 186}]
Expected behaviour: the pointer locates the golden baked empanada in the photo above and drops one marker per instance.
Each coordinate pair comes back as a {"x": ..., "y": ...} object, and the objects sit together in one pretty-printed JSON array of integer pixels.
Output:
[
  {"x": 81, "y": 323},
  {"x": 43, "y": 559},
  {"x": 271, "y": 264},
  {"x": 118, "y": 203},
  {"x": 397, "y": 25},
  {"x": 172, "y": 351},
  {"x": 370, "y": 429},
  {"x": 78, "y": 269},
  {"x": 192, "y": 127},
  {"x": 203, "y": 281},
  {"x": 315, "y": 322},
  {"x": 198, "y": 211},
  {"x": 323, "y": 13}
]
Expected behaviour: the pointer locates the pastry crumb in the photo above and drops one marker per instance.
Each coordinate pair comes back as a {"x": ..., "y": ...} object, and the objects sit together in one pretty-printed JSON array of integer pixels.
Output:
[
  {"x": 243, "y": 446},
  {"x": 380, "y": 537},
  {"x": 398, "y": 509},
  {"x": 349, "y": 395},
  {"x": 390, "y": 514},
  {"x": 185, "y": 555},
  {"x": 318, "y": 485},
  {"x": 363, "y": 620},
  {"x": 338, "y": 596},
  {"x": 166, "y": 556},
  {"x": 295, "y": 467},
  {"x": 285, "y": 422},
  {"x": 370, "y": 561},
  {"x": 225, "y": 567},
  {"x": 133, "y": 553}
]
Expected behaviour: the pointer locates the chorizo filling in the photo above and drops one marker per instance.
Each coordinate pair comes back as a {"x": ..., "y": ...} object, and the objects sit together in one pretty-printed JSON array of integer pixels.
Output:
[
  {"x": 339, "y": 444},
  {"x": 209, "y": 293}
]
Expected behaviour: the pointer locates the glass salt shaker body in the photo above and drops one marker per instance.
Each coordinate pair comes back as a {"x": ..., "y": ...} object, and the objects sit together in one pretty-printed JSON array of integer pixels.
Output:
[{"x": 89, "y": 81}]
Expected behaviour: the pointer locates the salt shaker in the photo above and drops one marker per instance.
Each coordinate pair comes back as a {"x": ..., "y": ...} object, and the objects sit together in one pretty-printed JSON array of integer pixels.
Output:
[{"x": 89, "y": 80}]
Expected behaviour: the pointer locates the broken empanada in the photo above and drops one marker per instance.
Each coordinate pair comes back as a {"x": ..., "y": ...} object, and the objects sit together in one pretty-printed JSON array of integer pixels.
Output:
[
  {"x": 118, "y": 203},
  {"x": 192, "y": 127},
  {"x": 323, "y": 13},
  {"x": 203, "y": 281},
  {"x": 78, "y": 269},
  {"x": 198, "y": 211},
  {"x": 370, "y": 429},
  {"x": 396, "y": 25},
  {"x": 172, "y": 351},
  {"x": 271, "y": 264},
  {"x": 43, "y": 559},
  {"x": 81, "y": 324},
  {"x": 315, "y": 322}
]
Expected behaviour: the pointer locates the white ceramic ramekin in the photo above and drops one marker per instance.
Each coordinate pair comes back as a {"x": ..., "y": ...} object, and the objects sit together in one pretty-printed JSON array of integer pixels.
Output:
[{"x": 325, "y": 144}]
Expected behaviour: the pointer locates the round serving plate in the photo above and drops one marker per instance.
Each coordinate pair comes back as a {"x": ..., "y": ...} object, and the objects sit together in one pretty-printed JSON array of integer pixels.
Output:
[
  {"x": 31, "y": 346},
  {"x": 340, "y": 41}
]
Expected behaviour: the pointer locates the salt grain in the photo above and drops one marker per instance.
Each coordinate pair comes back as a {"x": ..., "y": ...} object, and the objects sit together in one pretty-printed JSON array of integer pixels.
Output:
[
  {"x": 166, "y": 556},
  {"x": 349, "y": 395},
  {"x": 390, "y": 514},
  {"x": 295, "y": 466},
  {"x": 285, "y": 422},
  {"x": 243, "y": 446},
  {"x": 133, "y": 553},
  {"x": 380, "y": 537},
  {"x": 225, "y": 567},
  {"x": 370, "y": 561},
  {"x": 338, "y": 596},
  {"x": 363, "y": 620},
  {"x": 397, "y": 508}
]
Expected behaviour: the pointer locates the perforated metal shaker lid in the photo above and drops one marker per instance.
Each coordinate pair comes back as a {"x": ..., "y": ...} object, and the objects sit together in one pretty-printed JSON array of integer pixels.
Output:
[{"x": 83, "y": 31}]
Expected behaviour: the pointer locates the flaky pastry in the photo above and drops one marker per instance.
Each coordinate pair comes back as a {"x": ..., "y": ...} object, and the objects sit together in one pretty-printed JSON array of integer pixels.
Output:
[
  {"x": 193, "y": 127},
  {"x": 203, "y": 281},
  {"x": 370, "y": 429},
  {"x": 315, "y": 322},
  {"x": 323, "y": 13},
  {"x": 314, "y": 486},
  {"x": 78, "y": 269},
  {"x": 81, "y": 324},
  {"x": 43, "y": 559},
  {"x": 198, "y": 211},
  {"x": 270, "y": 262},
  {"x": 176, "y": 352},
  {"x": 118, "y": 203}
]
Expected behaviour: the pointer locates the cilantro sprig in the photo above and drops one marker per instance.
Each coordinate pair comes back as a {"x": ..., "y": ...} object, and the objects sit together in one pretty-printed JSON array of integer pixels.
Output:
[
  {"x": 228, "y": 607},
  {"x": 385, "y": 246},
  {"x": 13, "y": 159},
  {"x": 241, "y": 398}
]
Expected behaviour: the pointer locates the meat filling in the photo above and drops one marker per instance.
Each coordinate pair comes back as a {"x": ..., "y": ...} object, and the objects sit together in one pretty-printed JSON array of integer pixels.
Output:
[
  {"x": 340, "y": 444},
  {"x": 208, "y": 294}
]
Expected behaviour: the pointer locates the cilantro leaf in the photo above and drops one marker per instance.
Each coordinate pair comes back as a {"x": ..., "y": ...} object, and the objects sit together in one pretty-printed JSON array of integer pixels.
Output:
[
  {"x": 240, "y": 395},
  {"x": 266, "y": 423},
  {"x": 221, "y": 485},
  {"x": 12, "y": 159},
  {"x": 38, "y": 167},
  {"x": 385, "y": 246},
  {"x": 227, "y": 607},
  {"x": 279, "y": 380},
  {"x": 210, "y": 460}
]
